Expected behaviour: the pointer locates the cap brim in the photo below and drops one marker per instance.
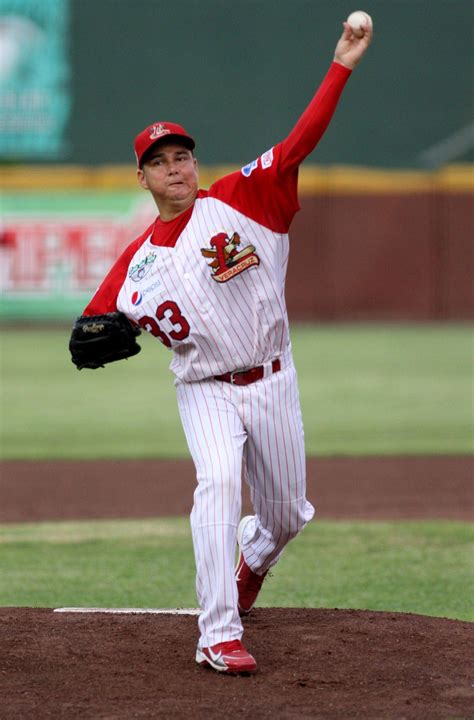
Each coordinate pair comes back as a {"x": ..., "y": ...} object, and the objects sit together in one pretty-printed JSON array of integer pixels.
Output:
[{"x": 185, "y": 140}]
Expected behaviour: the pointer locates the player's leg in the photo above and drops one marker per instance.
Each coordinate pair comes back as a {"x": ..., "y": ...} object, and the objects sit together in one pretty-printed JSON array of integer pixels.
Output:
[
  {"x": 276, "y": 468},
  {"x": 215, "y": 437}
]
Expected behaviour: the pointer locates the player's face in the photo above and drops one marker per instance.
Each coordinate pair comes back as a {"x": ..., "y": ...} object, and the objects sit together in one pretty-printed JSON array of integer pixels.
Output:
[{"x": 170, "y": 174}]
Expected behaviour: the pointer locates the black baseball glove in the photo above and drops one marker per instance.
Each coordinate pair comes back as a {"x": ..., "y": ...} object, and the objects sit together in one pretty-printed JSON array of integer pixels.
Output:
[{"x": 100, "y": 339}]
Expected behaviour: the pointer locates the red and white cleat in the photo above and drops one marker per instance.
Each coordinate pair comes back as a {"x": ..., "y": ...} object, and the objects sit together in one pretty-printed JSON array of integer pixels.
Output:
[
  {"x": 248, "y": 582},
  {"x": 228, "y": 657}
]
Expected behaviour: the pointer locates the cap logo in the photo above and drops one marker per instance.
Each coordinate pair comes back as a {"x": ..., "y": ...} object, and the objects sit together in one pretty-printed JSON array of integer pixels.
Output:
[{"x": 158, "y": 130}]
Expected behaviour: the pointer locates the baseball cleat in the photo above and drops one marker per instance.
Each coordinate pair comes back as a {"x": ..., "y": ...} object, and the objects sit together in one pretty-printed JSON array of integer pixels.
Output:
[
  {"x": 248, "y": 582},
  {"x": 227, "y": 657}
]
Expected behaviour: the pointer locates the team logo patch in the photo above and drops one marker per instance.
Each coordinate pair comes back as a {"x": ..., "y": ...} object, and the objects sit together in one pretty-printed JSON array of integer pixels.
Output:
[
  {"x": 158, "y": 130},
  {"x": 138, "y": 272},
  {"x": 247, "y": 170},
  {"x": 227, "y": 260},
  {"x": 137, "y": 297},
  {"x": 267, "y": 159}
]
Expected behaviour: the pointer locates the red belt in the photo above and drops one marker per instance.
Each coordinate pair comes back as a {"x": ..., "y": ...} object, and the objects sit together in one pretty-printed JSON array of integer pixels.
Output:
[{"x": 246, "y": 377}]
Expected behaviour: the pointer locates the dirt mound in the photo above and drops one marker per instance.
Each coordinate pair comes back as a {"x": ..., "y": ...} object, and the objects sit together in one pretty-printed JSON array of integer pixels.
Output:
[{"x": 318, "y": 664}]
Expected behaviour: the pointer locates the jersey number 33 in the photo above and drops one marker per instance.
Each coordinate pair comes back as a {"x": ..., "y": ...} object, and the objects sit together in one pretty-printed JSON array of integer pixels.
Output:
[{"x": 169, "y": 310}]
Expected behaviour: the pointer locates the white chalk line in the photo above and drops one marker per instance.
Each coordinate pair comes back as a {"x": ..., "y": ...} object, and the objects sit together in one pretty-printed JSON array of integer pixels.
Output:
[{"x": 130, "y": 611}]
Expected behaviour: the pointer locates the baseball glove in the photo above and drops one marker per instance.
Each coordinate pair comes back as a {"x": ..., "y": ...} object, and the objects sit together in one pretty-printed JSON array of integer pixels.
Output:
[{"x": 100, "y": 339}]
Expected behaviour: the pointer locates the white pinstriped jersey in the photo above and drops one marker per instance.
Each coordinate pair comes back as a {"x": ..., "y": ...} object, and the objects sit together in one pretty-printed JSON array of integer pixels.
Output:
[
  {"x": 210, "y": 283},
  {"x": 220, "y": 318}
]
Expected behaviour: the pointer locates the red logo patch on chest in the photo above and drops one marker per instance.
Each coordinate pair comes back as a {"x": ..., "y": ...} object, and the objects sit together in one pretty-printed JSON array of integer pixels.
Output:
[{"x": 227, "y": 260}]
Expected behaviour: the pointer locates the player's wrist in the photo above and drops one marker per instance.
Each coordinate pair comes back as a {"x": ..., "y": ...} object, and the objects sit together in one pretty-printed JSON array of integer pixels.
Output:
[{"x": 339, "y": 64}]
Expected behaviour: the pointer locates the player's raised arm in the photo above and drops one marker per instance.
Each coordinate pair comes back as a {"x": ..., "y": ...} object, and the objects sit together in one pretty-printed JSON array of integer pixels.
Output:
[{"x": 312, "y": 124}]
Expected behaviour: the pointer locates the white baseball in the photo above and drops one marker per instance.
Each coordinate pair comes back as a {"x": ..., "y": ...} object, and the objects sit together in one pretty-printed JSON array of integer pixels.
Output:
[{"x": 357, "y": 19}]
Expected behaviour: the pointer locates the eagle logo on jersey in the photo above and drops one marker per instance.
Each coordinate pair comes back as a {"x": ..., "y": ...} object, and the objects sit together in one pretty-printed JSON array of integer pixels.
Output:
[{"x": 227, "y": 260}]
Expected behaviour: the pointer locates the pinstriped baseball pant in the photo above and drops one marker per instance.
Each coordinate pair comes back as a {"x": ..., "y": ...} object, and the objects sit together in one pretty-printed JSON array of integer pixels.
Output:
[{"x": 255, "y": 431}]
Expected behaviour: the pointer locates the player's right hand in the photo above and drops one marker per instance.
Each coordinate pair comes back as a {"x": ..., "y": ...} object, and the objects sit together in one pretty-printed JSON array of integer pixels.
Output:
[{"x": 350, "y": 49}]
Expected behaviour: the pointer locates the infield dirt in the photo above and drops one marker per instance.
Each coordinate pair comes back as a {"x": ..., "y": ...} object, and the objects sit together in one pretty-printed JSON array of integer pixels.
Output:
[
  {"x": 326, "y": 664},
  {"x": 364, "y": 488}
]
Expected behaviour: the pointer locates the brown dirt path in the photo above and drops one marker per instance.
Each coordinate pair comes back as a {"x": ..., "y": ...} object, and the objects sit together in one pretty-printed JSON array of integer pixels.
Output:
[{"x": 365, "y": 488}]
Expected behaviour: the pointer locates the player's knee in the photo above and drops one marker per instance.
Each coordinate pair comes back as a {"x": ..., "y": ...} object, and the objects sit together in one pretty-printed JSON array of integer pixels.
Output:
[{"x": 218, "y": 486}]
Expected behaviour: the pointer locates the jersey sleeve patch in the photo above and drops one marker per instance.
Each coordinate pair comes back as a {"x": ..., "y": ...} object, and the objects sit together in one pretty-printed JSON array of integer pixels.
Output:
[
  {"x": 261, "y": 191},
  {"x": 265, "y": 160},
  {"x": 247, "y": 170}
]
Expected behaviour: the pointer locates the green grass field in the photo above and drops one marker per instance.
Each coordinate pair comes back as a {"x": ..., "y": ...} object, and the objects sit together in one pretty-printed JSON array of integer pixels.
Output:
[
  {"x": 364, "y": 391},
  {"x": 404, "y": 567}
]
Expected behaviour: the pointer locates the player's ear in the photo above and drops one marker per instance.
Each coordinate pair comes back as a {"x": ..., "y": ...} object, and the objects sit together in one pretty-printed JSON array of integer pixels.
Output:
[{"x": 142, "y": 179}]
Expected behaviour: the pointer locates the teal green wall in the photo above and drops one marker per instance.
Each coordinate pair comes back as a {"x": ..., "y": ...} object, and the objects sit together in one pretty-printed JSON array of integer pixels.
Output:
[{"x": 238, "y": 73}]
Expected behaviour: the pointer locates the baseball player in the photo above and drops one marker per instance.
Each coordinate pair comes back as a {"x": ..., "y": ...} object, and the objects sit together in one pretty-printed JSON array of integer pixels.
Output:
[{"x": 207, "y": 280}]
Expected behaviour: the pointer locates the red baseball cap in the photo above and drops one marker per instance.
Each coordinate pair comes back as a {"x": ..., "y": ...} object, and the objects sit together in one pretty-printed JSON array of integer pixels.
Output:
[{"x": 159, "y": 131}]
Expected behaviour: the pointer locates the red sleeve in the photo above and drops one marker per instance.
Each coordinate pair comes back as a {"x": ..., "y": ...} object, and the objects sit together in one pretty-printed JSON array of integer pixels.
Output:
[
  {"x": 310, "y": 128},
  {"x": 266, "y": 190},
  {"x": 258, "y": 192},
  {"x": 105, "y": 297}
]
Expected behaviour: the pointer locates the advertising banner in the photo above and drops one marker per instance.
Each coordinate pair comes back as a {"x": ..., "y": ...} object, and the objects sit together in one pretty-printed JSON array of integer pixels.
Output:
[
  {"x": 35, "y": 97},
  {"x": 54, "y": 251}
]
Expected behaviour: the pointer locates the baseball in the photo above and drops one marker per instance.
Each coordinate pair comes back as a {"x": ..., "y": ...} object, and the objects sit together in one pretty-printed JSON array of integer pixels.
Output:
[{"x": 357, "y": 19}]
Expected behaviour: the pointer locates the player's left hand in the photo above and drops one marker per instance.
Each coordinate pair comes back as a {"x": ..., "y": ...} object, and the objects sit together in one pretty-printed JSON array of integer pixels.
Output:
[
  {"x": 350, "y": 49},
  {"x": 100, "y": 339}
]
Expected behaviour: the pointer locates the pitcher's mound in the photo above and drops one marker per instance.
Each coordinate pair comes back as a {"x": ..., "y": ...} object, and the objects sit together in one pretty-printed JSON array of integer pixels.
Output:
[{"x": 324, "y": 664}]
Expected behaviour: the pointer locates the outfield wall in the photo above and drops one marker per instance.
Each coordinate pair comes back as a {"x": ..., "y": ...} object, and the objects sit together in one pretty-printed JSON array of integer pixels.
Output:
[
  {"x": 368, "y": 244},
  {"x": 383, "y": 257}
]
